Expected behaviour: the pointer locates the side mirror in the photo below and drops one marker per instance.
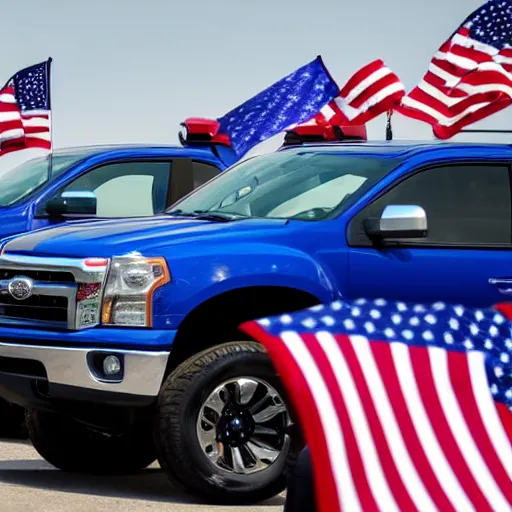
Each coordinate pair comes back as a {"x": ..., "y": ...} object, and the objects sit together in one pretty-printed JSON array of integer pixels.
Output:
[
  {"x": 398, "y": 221},
  {"x": 73, "y": 202}
]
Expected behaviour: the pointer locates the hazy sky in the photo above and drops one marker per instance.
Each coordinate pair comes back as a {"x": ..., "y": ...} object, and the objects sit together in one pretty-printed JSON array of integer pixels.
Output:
[{"x": 131, "y": 71}]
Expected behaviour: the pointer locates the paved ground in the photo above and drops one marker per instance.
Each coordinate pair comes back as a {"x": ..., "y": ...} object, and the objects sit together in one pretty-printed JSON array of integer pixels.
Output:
[{"x": 29, "y": 484}]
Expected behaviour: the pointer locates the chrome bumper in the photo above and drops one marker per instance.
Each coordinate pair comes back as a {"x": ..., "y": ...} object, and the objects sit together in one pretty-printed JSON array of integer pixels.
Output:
[{"x": 143, "y": 371}]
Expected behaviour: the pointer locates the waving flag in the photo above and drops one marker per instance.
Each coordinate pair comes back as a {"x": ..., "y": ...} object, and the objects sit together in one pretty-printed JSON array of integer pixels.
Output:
[
  {"x": 373, "y": 90},
  {"x": 469, "y": 78},
  {"x": 25, "y": 109},
  {"x": 413, "y": 402},
  {"x": 292, "y": 100}
]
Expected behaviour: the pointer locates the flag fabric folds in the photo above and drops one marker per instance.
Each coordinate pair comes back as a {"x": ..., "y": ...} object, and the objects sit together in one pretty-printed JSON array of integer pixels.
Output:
[
  {"x": 292, "y": 100},
  {"x": 470, "y": 76},
  {"x": 404, "y": 406},
  {"x": 25, "y": 109},
  {"x": 371, "y": 91}
]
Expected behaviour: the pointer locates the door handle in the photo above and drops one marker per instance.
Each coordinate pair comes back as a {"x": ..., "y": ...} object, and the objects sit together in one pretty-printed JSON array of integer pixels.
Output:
[{"x": 504, "y": 284}]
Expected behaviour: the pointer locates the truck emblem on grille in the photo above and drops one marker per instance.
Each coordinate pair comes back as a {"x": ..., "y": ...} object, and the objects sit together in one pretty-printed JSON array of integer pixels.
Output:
[{"x": 20, "y": 288}]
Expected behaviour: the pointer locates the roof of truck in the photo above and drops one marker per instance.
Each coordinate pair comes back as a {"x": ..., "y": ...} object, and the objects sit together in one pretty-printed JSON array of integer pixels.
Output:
[
  {"x": 102, "y": 148},
  {"x": 397, "y": 147}
]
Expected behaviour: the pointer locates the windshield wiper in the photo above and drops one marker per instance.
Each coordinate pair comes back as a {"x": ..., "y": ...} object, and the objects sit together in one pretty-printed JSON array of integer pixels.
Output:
[{"x": 207, "y": 215}]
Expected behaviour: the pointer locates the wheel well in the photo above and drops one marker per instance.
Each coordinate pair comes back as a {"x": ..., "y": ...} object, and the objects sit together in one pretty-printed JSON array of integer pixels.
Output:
[{"x": 217, "y": 319}]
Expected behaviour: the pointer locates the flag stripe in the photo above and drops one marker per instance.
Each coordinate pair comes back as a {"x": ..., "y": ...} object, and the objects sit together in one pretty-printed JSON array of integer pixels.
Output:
[
  {"x": 372, "y": 90},
  {"x": 307, "y": 408},
  {"x": 367, "y": 367},
  {"x": 439, "y": 463},
  {"x": 386, "y": 365},
  {"x": 345, "y": 488},
  {"x": 488, "y": 413},
  {"x": 483, "y": 479},
  {"x": 460, "y": 377},
  {"x": 336, "y": 348},
  {"x": 424, "y": 372},
  {"x": 361, "y": 473},
  {"x": 364, "y": 449}
]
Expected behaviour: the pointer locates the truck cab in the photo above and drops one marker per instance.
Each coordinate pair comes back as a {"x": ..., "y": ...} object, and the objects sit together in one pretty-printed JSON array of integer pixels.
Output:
[{"x": 115, "y": 181}]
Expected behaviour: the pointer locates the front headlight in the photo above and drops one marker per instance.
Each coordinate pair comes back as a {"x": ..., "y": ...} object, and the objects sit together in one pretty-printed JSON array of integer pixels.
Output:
[{"x": 131, "y": 283}]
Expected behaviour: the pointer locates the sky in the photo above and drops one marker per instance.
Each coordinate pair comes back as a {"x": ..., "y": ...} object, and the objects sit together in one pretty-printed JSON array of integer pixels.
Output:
[{"x": 129, "y": 71}]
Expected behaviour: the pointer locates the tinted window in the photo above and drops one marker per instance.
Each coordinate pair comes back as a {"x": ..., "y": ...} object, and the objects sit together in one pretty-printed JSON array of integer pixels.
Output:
[
  {"x": 203, "y": 172},
  {"x": 126, "y": 189},
  {"x": 465, "y": 204},
  {"x": 187, "y": 175},
  {"x": 288, "y": 184}
]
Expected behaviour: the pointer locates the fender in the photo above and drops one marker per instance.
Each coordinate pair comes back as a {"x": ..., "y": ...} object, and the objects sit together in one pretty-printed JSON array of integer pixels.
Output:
[{"x": 252, "y": 265}]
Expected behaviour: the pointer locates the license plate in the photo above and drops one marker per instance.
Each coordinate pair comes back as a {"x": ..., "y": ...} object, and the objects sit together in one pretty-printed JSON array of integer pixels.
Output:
[{"x": 88, "y": 312}]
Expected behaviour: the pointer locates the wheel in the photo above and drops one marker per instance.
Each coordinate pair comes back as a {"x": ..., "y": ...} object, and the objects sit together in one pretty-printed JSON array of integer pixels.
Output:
[
  {"x": 224, "y": 431},
  {"x": 12, "y": 420},
  {"x": 75, "y": 447}
]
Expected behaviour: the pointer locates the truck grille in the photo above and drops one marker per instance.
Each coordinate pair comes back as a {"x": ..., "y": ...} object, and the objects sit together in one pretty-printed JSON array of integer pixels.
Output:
[
  {"x": 46, "y": 276},
  {"x": 49, "y": 292},
  {"x": 42, "y": 308}
]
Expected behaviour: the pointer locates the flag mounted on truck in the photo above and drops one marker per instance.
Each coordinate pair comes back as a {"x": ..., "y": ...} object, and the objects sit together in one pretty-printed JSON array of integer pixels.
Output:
[{"x": 25, "y": 109}]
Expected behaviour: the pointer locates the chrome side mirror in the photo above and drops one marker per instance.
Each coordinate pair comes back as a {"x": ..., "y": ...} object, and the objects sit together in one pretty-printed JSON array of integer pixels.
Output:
[{"x": 398, "y": 221}]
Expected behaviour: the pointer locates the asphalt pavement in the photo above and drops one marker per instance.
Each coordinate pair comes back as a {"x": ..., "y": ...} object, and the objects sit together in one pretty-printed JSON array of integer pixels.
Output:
[{"x": 29, "y": 484}]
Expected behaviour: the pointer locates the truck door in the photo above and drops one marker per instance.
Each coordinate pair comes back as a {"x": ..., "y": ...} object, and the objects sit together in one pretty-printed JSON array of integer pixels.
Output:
[
  {"x": 131, "y": 188},
  {"x": 466, "y": 256}
]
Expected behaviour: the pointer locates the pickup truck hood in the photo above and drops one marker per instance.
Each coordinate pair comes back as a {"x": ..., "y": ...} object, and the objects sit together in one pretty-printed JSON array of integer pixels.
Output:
[{"x": 146, "y": 235}]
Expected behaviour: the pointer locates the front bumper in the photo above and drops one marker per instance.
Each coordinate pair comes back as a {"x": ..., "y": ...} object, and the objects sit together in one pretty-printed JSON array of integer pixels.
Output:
[{"x": 32, "y": 374}]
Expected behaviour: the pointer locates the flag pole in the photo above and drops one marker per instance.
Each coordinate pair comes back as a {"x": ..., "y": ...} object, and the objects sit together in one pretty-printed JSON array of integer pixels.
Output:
[
  {"x": 50, "y": 116},
  {"x": 389, "y": 128}
]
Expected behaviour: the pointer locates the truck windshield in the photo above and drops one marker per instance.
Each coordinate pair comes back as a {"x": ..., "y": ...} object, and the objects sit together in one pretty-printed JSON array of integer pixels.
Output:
[
  {"x": 19, "y": 182},
  {"x": 292, "y": 185}
]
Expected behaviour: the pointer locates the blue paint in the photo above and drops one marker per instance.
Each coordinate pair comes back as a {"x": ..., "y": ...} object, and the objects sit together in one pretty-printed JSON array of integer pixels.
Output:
[{"x": 22, "y": 216}]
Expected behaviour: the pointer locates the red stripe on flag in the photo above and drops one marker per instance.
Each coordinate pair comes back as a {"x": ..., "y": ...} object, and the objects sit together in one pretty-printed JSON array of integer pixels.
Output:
[
  {"x": 358, "y": 471},
  {"x": 371, "y": 99},
  {"x": 387, "y": 461},
  {"x": 461, "y": 381},
  {"x": 506, "y": 420},
  {"x": 429, "y": 394},
  {"x": 361, "y": 75},
  {"x": 31, "y": 134},
  {"x": 306, "y": 408},
  {"x": 389, "y": 373}
]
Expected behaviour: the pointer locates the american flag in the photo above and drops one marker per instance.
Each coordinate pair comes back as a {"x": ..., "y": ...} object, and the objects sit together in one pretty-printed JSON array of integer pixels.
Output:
[
  {"x": 414, "y": 402},
  {"x": 292, "y": 100},
  {"x": 373, "y": 90},
  {"x": 470, "y": 76},
  {"x": 25, "y": 110}
]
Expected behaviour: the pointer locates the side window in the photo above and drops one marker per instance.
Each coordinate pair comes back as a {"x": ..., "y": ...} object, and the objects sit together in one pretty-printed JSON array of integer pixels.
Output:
[
  {"x": 203, "y": 172},
  {"x": 126, "y": 189},
  {"x": 187, "y": 175},
  {"x": 466, "y": 205}
]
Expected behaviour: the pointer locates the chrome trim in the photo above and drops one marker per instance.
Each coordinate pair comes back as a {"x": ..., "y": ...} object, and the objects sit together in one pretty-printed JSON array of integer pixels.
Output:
[
  {"x": 52, "y": 290},
  {"x": 75, "y": 266},
  {"x": 143, "y": 371}
]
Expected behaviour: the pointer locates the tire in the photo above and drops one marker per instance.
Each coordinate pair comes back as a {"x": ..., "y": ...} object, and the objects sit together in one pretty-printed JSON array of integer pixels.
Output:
[
  {"x": 12, "y": 420},
  {"x": 71, "y": 446},
  {"x": 181, "y": 407}
]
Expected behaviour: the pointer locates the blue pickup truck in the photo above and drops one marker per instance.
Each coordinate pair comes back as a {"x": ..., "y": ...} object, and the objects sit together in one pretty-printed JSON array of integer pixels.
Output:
[
  {"x": 100, "y": 182},
  {"x": 110, "y": 181},
  {"x": 121, "y": 339}
]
